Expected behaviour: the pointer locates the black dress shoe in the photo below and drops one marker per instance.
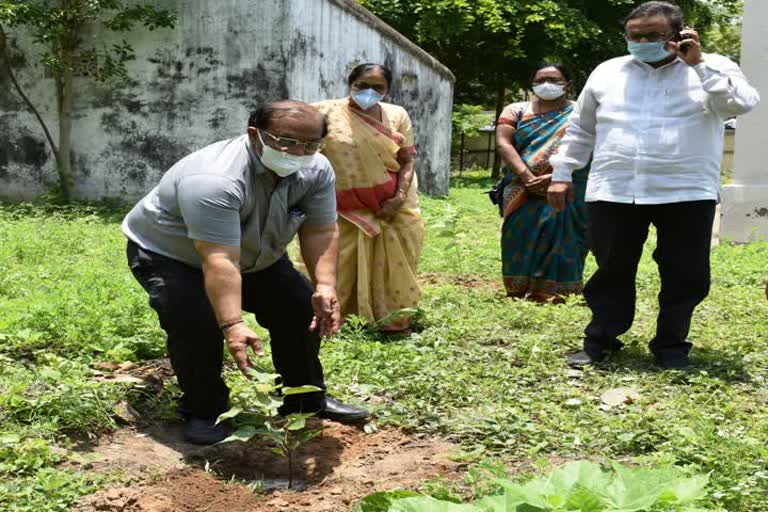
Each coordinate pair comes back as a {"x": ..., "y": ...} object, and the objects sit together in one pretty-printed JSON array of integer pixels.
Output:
[
  {"x": 204, "y": 431},
  {"x": 582, "y": 358},
  {"x": 595, "y": 351},
  {"x": 673, "y": 362},
  {"x": 337, "y": 411}
]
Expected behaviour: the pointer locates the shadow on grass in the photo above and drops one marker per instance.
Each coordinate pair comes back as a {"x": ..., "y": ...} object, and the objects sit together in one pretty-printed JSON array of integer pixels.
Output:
[{"x": 717, "y": 364}]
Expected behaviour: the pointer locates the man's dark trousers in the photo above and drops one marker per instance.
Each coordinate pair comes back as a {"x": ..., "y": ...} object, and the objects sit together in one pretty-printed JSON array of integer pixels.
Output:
[
  {"x": 279, "y": 296},
  {"x": 618, "y": 233}
]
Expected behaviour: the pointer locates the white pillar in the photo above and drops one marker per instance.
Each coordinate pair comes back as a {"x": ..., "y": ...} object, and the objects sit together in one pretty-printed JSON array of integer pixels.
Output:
[{"x": 745, "y": 201}]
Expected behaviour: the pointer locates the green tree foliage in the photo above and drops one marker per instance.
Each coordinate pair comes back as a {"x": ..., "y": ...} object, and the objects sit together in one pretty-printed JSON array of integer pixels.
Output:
[
  {"x": 724, "y": 37},
  {"x": 56, "y": 27},
  {"x": 468, "y": 119},
  {"x": 493, "y": 45}
]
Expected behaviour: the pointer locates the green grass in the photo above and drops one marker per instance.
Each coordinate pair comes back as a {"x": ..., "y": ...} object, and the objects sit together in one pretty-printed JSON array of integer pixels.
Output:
[{"x": 485, "y": 370}]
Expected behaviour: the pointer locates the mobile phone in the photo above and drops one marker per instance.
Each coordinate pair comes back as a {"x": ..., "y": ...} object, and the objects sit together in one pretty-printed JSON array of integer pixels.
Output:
[{"x": 683, "y": 48}]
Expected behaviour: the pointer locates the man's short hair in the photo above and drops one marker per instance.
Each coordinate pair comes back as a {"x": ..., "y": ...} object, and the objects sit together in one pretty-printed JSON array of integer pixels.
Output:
[
  {"x": 647, "y": 9},
  {"x": 261, "y": 118}
]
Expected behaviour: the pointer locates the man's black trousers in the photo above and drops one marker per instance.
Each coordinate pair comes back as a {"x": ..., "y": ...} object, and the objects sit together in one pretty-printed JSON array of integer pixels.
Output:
[
  {"x": 279, "y": 296},
  {"x": 618, "y": 232}
]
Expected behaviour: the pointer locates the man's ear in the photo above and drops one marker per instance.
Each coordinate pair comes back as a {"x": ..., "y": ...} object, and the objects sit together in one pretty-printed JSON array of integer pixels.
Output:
[{"x": 253, "y": 135}]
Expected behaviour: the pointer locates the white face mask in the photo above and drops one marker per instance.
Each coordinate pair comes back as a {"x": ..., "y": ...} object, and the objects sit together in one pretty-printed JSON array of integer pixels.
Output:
[
  {"x": 281, "y": 163},
  {"x": 549, "y": 91}
]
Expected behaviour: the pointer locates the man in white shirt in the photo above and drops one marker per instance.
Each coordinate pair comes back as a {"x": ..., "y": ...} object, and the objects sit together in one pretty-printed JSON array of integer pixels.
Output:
[{"x": 652, "y": 122}]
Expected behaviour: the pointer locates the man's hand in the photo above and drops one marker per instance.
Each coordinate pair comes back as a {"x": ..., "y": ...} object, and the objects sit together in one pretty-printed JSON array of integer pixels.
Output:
[
  {"x": 559, "y": 194},
  {"x": 239, "y": 338},
  {"x": 689, "y": 48},
  {"x": 327, "y": 317},
  {"x": 391, "y": 206},
  {"x": 320, "y": 249}
]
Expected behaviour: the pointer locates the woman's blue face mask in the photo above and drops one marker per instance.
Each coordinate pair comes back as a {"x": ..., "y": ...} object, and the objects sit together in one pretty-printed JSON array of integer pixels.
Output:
[
  {"x": 653, "y": 51},
  {"x": 367, "y": 98}
]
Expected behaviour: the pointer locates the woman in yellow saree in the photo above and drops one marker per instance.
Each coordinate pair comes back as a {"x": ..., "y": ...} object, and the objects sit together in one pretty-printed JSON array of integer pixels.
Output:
[{"x": 371, "y": 147}]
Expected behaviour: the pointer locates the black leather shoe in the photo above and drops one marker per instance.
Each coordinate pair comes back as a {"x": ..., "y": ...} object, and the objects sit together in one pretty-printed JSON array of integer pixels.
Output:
[
  {"x": 337, "y": 411},
  {"x": 203, "y": 431},
  {"x": 582, "y": 358},
  {"x": 672, "y": 357},
  {"x": 595, "y": 351},
  {"x": 674, "y": 362}
]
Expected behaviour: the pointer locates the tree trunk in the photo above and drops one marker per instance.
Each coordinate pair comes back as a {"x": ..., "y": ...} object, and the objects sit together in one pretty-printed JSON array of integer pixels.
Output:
[
  {"x": 65, "y": 99},
  {"x": 501, "y": 93},
  {"x": 5, "y": 54}
]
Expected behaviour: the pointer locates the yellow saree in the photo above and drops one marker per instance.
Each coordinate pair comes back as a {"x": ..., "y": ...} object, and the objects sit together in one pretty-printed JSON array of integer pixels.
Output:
[{"x": 377, "y": 259}]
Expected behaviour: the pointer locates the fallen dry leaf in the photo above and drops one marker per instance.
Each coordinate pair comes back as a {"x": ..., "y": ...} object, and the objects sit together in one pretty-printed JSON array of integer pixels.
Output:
[
  {"x": 124, "y": 367},
  {"x": 620, "y": 396},
  {"x": 110, "y": 367},
  {"x": 120, "y": 379}
]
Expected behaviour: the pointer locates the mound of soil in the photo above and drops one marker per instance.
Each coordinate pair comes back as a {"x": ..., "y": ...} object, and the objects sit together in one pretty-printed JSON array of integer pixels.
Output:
[
  {"x": 334, "y": 470},
  {"x": 179, "y": 490}
]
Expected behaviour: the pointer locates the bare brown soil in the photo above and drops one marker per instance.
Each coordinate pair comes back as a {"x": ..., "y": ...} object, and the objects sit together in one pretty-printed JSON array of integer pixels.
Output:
[
  {"x": 333, "y": 471},
  {"x": 466, "y": 281}
]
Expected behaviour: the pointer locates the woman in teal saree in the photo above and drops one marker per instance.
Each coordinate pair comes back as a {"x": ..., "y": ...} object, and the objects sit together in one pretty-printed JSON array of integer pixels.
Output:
[{"x": 543, "y": 252}]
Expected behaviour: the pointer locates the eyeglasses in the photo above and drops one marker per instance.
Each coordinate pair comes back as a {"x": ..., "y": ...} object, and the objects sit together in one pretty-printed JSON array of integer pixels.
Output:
[
  {"x": 651, "y": 37},
  {"x": 548, "y": 80},
  {"x": 361, "y": 86},
  {"x": 285, "y": 143}
]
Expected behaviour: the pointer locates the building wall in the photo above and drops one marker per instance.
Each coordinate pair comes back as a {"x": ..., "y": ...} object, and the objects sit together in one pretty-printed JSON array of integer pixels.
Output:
[
  {"x": 745, "y": 200},
  {"x": 196, "y": 84}
]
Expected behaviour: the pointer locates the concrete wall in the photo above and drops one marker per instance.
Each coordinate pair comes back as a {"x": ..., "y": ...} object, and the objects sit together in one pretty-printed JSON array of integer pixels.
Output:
[
  {"x": 745, "y": 201},
  {"x": 196, "y": 84}
]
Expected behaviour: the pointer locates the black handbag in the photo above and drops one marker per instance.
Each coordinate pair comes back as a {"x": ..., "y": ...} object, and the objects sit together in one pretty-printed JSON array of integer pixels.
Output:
[{"x": 496, "y": 194}]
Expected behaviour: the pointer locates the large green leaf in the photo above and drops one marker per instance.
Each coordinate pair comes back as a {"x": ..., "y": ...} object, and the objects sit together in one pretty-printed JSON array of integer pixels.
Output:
[
  {"x": 584, "y": 500},
  {"x": 381, "y": 501},
  {"x": 506, "y": 501},
  {"x": 634, "y": 490},
  {"x": 685, "y": 490},
  {"x": 429, "y": 504},
  {"x": 268, "y": 404},
  {"x": 257, "y": 419},
  {"x": 533, "y": 493},
  {"x": 262, "y": 376},
  {"x": 244, "y": 433},
  {"x": 228, "y": 415},
  {"x": 582, "y": 487},
  {"x": 297, "y": 421},
  {"x": 578, "y": 475}
]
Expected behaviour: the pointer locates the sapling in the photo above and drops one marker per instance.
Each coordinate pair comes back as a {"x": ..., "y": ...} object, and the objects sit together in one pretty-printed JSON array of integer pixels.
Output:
[{"x": 261, "y": 418}]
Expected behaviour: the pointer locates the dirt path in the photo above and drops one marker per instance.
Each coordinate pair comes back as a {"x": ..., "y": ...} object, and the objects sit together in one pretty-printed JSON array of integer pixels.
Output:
[{"x": 336, "y": 469}]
